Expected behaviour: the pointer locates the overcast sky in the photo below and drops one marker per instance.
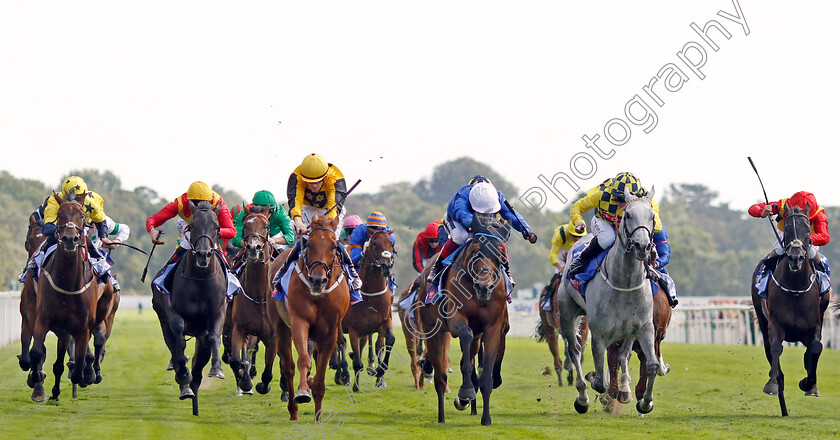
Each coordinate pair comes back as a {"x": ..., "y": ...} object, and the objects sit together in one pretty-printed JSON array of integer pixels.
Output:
[{"x": 237, "y": 93}]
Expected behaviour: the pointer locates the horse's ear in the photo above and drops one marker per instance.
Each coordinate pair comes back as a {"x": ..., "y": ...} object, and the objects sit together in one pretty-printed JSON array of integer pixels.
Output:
[
  {"x": 650, "y": 193},
  {"x": 370, "y": 231},
  {"x": 57, "y": 197},
  {"x": 246, "y": 209},
  {"x": 785, "y": 206},
  {"x": 193, "y": 206},
  {"x": 315, "y": 218},
  {"x": 808, "y": 209},
  {"x": 628, "y": 196}
]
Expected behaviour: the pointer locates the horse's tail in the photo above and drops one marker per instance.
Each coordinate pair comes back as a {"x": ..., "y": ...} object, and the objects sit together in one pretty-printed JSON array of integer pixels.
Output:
[{"x": 539, "y": 331}]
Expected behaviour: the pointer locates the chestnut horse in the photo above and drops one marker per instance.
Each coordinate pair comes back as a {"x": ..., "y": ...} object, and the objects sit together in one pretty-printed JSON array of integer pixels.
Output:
[
  {"x": 661, "y": 319},
  {"x": 317, "y": 300},
  {"x": 28, "y": 297},
  {"x": 248, "y": 309},
  {"x": 196, "y": 305},
  {"x": 794, "y": 308},
  {"x": 66, "y": 302},
  {"x": 373, "y": 315},
  {"x": 474, "y": 309}
]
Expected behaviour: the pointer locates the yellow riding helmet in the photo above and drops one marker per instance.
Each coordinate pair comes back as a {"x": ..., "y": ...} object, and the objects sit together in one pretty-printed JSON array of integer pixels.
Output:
[
  {"x": 313, "y": 168},
  {"x": 74, "y": 184},
  {"x": 572, "y": 231},
  {"x": 199, "y": 191}
]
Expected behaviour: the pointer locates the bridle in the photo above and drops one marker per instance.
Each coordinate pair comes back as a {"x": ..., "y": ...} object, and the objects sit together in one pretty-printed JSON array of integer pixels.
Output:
[
  {"x": 263, "y": 238},
  {"x": 626, "y": 243},
  {"x": 194, "y": 240},
  {"x": 390, "y": 255},
  {"x": 310, "y": 266},
  {"x": 796, "y": 241}
]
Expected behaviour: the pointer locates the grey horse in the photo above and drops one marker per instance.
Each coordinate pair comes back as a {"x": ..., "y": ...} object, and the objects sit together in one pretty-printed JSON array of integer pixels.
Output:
[{"x": 618, "y": 305}]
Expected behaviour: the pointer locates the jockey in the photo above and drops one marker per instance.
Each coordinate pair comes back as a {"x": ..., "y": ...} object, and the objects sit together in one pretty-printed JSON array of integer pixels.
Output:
[
  {"x": 561, "y": 242},
  {"x": 479, "y": 196},
  {"x": 180, "y": 207},
  {"x": 317, "y": 187},
  {"x": 94, "y": 213},
  {"x": 663, "y": 257},
  {"x": 350, "y": 223},
  {"x": 817, "y": 217},
  {"x": 361, "y": 234},
  {"x": 425, "y": 246},
  {"x": 608, "y": 199},
  {"x": 280, "y": 231}
]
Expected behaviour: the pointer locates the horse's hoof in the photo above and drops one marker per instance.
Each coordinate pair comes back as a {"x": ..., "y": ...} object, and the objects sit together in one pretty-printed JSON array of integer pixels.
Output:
[
  {"x": 186, "y": 393},
  {"x": 485, "y": 421},
  {"x": 642, "y": 409},
  {"x": 245, "y": 386},
  {"x": 284, "y": 397},
  {"x": 624, "y": 397},
  {"x": 665, "y": 369},
  {"x": 253, "y": 372},
  {"x": 241, "y": 392},
  {"x": 771, "y": 388},
  {"x": 216, "y": 372},
  {"x": 263, "y": 388},
  {"x": 580, "y": 408},
  {"x": 170, "y": 367},
  {"x": 98, "y": 378},
  {"x": 460, "y": 404},
  {"x": 813, "y": 393},
  {"x": 380, "y": 383},
  {"x": 355, "y": 388},
  {"x": 25, "y": 365},
  {"x": 605, "y": 399},
  {"x": 466, "y": 393},
  {"x": 39, "y": 396},
  {"x": 302, "y": 397}
]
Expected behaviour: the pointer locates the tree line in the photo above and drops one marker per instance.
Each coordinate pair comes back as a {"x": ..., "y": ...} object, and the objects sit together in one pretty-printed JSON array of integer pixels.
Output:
[{"x": 715, "y": 247}]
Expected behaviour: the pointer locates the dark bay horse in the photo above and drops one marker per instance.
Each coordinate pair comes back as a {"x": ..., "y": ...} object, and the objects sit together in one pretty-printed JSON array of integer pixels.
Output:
[
  {"x": 661, "y": 319},
  {"x": 28, "y": 296},
  {"x": 794, "y": 308},
  {"x": 474, "y": 309},
  {"x": 373, "y": 315},
  {"x": 196, "y": 306},
  {"x": 248, "y": 309},
  {"x": 67, "y": 296},
  {"x": 547, "y": 329},
  {"x": 413, "y": 330},
  {"x": 318, "y": 298}
]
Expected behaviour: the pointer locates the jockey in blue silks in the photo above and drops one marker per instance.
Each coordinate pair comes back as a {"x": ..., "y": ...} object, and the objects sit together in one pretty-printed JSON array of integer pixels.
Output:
[
  {"x": 360, "y": 235},
  {"x": 663, "y": 257},
  {"x": 479, "y": 196}
]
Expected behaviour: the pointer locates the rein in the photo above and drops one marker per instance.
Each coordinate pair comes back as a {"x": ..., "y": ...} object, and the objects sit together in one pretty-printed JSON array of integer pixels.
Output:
[
  {"x": 66, "y": 292},
  {"x": 796, "y": 242},
  {"x": 628, "y": 245},
  {"x": 309, "y": 266}
]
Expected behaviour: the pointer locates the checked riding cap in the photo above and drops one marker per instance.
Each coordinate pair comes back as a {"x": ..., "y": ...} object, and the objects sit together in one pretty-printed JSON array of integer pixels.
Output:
[
  {"x": 74, "y": 184},
  {"x": 622, "y": 181}
]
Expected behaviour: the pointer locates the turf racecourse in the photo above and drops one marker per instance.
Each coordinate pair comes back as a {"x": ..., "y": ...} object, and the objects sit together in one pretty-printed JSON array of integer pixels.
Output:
[{"x": 711, "y": 392}]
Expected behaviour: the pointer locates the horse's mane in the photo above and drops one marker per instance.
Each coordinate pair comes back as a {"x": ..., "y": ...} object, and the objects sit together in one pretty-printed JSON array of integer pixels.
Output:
[
  {"x": 322, "y": 221},
  {"x": 204, "y": 204}
]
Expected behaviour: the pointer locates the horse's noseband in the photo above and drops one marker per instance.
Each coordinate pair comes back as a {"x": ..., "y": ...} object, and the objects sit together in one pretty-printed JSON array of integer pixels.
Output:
[{"x": 310, "y": 266}]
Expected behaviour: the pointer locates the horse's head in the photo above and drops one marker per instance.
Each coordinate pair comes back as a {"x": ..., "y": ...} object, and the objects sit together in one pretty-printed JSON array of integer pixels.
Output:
[
  {"x": 255, "y": 232},
  {"x": 70, "y": 221},
  {"x": 380, "y": 251},
  {"x": 487, "y": 256},
  {"x": 321, "y": 253},
  {"x": 797, "y": 238},
  {"x": 34, "y": 237},
  {"x": 204, "y": 232},
  {"x": 637, "y": 223}
]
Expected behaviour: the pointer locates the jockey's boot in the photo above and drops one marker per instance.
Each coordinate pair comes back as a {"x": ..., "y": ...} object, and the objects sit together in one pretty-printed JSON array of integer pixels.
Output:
[
  {"x": 592, "y": 249},
  {"x": 30, "y": 268},
  {"x": 771, "y": 260},
  {"x": 510, "y": 277},
  {"x": 435, "y": 270},
  {"x": 355, "y": 281},
  {"x": 818, "y": 264},
  {"x": 293, "y": 256},
  {"x": 654, "y": 275},
  {"x": 237, "y": 262}
]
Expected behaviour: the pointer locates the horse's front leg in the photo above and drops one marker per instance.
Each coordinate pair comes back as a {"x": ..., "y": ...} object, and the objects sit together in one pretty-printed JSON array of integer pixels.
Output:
[
  {"x": 384, "y": 353},
  {"x": 58, "y": 366},
  {"x": 598, "y": 378},
  {"x": 300, "y": 336},
  {"x": 203, "y": 352},
  {"x": 356, "y": 356},
  {"x": 269, "y": 340},
  {"x": 99, "y": 337},
  {"x": 465, "y": 335},
  {"x": 775, "y": 338},
  {"x": 83, "y": 369},
  {"x": 624, "y": 353},
  {"x": 324, "y": 349},
  {"x": 239, "y": 365},
  {"x": 813, "y": 349},
  {"x": 492, "y": 338},
  {"x": 569, "y": 328},
  {"x": 646, "y": 337}
]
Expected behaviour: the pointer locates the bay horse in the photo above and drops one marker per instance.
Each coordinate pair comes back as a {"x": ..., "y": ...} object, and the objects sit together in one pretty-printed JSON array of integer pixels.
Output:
[
  {"x": 248, "y": 310},
  {"x": 618, "y": 305},
  {"x": 661, "y": 319},
  {"x": 66, "y": 301},
  {"x": 474, "y": 309},
  {"x": 317, "y": 301},
  {"x": 28, "y": 295},
  {"x": 196, "y": 304},
  {"x": 794, "y": 309},
  {"x": 547, "y": 330},
  {"x": 373, "y": 315}
]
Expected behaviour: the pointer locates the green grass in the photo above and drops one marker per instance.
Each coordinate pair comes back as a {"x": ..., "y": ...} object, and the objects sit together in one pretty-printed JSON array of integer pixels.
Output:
[{"x": 711, "y": 392}]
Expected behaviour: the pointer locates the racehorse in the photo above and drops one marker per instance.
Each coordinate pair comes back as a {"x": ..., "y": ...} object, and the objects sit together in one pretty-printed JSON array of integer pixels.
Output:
[
  {"x": 317, "y": 300},
  {"x": 547, "y": 328},
  {"x": 661, "y": 319},
  {"x": 66, "y": 301},
  {"x": 373, "y": 315},
  {"x": 618, "y": 305},
  {"x": 28, "y": 297},
  {"x": 195, "y": 306},
  {"x": 473, "y": 308},
  {"x": 248, "y": 310},
  {"x": 793, "y": 310}
]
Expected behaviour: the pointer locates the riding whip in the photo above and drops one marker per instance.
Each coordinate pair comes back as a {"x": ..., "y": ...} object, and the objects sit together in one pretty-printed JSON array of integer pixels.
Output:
[
  {"x": 146, "y": 269},
  {"x": 130, "y": 247},
  {"x": 767, "y": 201},
  {"x": 345, "y": 197}
]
